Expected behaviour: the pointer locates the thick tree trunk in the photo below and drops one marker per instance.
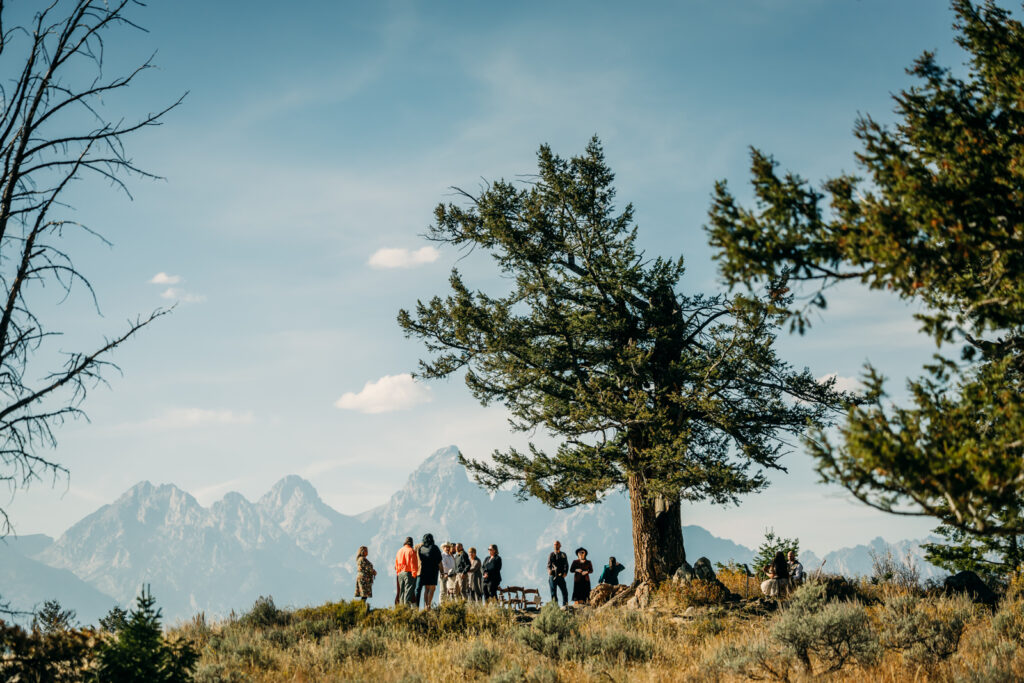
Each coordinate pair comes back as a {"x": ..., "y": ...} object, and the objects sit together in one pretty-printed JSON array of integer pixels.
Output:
[
  {"x": 669, "y": 524},
  {"x": 645, "y": 532}
]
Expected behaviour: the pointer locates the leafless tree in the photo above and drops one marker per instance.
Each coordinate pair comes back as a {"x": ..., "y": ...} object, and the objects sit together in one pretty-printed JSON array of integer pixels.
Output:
[{"x": 53, "y": 133}]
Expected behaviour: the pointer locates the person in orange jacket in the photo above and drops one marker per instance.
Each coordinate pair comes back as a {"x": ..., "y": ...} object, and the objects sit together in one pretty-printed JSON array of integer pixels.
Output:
[{"x": 407, "y": 566}]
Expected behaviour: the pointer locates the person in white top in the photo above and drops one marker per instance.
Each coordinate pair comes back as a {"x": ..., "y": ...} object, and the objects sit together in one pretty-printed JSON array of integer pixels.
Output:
[
  {"x": 447, "y": 577},
  {"x": 796, "y": 570}
]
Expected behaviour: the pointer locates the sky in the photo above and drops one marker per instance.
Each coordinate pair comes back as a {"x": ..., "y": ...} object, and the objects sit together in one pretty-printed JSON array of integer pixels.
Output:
[{"x": 301, "y": 171}]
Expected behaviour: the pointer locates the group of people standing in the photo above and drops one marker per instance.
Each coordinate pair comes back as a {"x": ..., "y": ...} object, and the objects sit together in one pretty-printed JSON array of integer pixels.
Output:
[
  {"x": 581, "y": 570},
  {"x": 421, "y": 569}
]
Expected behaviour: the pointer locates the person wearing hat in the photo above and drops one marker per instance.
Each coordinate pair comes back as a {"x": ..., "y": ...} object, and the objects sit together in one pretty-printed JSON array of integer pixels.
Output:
[
  {"x": 581, "y": 569},
  {"x": 407, "y": 566}
]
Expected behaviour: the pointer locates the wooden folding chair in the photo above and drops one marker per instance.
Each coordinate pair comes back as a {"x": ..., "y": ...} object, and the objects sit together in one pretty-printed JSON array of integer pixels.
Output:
[{"x": 534, "y": 602}]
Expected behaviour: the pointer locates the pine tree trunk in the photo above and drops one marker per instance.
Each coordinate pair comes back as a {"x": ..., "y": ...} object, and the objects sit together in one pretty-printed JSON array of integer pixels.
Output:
[
  {"x": 645, "y": 531},
  {"x": 669, "y": 524}
]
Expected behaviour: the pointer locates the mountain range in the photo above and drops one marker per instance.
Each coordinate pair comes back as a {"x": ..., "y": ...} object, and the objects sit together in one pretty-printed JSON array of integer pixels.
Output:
[{"x": 293, "y": 546}]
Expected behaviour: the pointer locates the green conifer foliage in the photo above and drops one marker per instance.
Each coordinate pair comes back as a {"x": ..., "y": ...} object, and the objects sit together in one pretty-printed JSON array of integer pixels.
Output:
[
  {"x": 139, "y": 652},
  {"x": 670, "y": 396},
  {"x": 938, "y": 219}
]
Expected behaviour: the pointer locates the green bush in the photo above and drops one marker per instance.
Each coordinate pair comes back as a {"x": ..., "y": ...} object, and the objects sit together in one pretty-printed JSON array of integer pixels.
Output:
[
  {"x": 339, "y": 615},
  {"x": 480, "y": 658},
  {"x": 51, "y": 618},
  {"x": 924, "y": 631},
  {"x": 359, "y": 644},
  {"x": 264, "y": 614}
]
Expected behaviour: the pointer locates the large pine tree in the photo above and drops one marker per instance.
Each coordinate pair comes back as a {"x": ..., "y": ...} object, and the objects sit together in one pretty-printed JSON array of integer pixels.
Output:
[
  {"x": 673, "y": 397},
  {"x": 937, "y": 218}
]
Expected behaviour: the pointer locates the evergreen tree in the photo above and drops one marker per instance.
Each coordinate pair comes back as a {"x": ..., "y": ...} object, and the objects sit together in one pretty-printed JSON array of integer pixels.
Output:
[
  {"x": 938, "y": 218},
  {"x": 51, "y": 617},
  {"x": 139, "y": 652},
  {"x": 771, "y": 545},
  {"x": 993, "y": 557},
  {"x": 670, "y": 396}
]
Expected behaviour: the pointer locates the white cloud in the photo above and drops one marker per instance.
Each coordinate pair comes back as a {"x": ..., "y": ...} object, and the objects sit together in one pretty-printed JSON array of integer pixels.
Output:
[
  {"x": 851, "y": 384},
  {"x": 183, "y": 418},
  {"x": 163, "y": 278},
  {"x": 403, "y": 258},
  {"x": 387, "y": 394},
  {"x": 179, "y": 294}
]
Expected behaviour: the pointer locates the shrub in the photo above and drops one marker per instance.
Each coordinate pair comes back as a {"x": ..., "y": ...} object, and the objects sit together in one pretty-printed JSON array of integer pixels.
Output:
[
  {"x": 57, "y": 656},
  {"x": 998, "y": 667},
  {"x": 924, "y": 631},
  {"x": 264, "y": 614},
  {"x": 359, "y": 644},
  {"x": 693, "y": 593},
  {"x": 1008, "y": 622},
  {"x": 139, "y": 652},
  {"x": 900, "y": 573},
  {"x": 624, "y": 647},
  {"x": 341, "y": 616},
  {"x": 552, "y": 621},
  {"x": 756, "y": 660},
  {"x": 480, "y": 658}
]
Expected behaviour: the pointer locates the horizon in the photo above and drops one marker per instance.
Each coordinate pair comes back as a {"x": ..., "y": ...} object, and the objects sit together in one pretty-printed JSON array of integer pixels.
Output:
[{"x": 305, "y": 162}]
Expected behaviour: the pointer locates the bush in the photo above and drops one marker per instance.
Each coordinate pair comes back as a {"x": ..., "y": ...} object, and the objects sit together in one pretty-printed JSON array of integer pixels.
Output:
[
  {"x": 264, "y": 614},
  {"x": 1008, "y": 622},
  {"x": 340, "y": 616},
  {"x": 756, "y": 660},
  {"x": 359, "y": 644},
  {"x": 139, "y": 652},
  {"x": 57, "y": 656},
  {"x": 480, "y": 658},
  {"x": 900, "y": 573},
  {"x": 693, "y": 593},
  {"x": 924, "y": 631}
]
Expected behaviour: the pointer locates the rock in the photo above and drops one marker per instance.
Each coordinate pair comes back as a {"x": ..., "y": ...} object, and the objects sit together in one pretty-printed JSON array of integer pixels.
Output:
[
  {"x": 969, "y": 583},
  {"x": 684, "y": 573},
  {"x": 642, "y": 597},
  {"x": 703, "y": 570},
  {"x": 603, "y": 593}
]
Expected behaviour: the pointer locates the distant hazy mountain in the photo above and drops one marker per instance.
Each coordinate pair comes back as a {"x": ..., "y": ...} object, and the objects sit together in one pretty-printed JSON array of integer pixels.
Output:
[
  {"x": 293, "y": 546},
  {"x": 26, "y": 583}
]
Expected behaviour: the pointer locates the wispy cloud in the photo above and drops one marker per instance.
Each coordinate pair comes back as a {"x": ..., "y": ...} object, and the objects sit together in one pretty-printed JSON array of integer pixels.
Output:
[
  {"x": 163, "y": 278},
  {"x": 387, "y": 394},
  {"x": 851, "y": 384},
  {"x": 178, "y": 294},
  {"x": 185, "y": 418},
  {"x": 403, "y": 258}
]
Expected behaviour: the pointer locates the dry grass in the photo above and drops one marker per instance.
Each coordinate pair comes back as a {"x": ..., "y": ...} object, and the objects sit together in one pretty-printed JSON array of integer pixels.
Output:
[{"x": 336, "y": 642}]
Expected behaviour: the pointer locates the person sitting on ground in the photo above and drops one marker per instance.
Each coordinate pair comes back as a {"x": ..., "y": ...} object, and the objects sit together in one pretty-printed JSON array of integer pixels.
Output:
[
  {"x": 558, "y": 568},
  {"x": 492, "y": 573},
  {"x": 610, "y": 574},
  {"x": 581, "y": 569},
  {"x": 796, "y": 570},
  {"x": 777, "y": 583},
  {"x": 365, "y": 574},
  {"x": 447, "y": 571},
  {"x": 462, "y": 565},
  {"x": 429, "y": 556},
  {"x": 476, "y": 577},
  {"x": 407, "y": 566}
]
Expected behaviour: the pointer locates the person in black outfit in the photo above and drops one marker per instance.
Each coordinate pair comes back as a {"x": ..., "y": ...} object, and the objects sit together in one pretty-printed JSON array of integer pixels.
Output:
[
  {"x": 492, "y": 573},
  {"x": 430, "y": 562},
  {"x": 558, "y": 568},
  {"x": 581, "y": 569},
  {"x": 610, "y": 575}
]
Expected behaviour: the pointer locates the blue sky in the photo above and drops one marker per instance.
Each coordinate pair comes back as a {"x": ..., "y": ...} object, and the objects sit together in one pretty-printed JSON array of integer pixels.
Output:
[{"x": 317, "y": 133}]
